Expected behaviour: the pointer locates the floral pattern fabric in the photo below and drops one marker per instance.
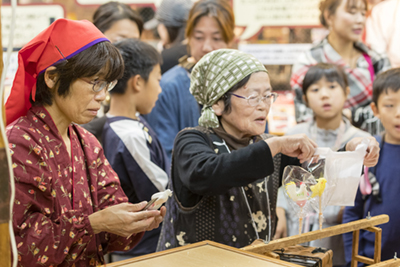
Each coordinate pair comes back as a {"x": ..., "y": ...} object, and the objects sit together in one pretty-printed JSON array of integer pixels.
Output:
[{"x": 56, "y": 193}]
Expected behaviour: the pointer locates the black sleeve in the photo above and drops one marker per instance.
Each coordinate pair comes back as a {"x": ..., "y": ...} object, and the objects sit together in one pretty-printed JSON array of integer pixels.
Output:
[{"x": 198, "y": 170}]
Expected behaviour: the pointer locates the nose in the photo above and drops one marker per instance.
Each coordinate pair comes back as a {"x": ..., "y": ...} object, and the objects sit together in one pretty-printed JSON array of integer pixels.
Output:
[
  {"x": 100, "y": 96},
  {"x": 207, "y": 45},
  {"x": 397, "y": 114},
  {"x": 324, "y": 92},
  {"x": 360, "y": 18},
  {"x": 264, "y": 104}
]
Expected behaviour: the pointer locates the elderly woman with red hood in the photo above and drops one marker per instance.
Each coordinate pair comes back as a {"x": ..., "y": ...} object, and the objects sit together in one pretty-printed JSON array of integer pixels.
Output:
[{"x": 70, "y": 208}]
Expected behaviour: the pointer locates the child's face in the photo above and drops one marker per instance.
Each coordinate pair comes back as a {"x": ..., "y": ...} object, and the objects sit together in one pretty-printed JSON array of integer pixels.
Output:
[
  {"x": 150, "y": 91},
  {"x": 388, "y": 111},
  {"x": 326, "y": 99}
]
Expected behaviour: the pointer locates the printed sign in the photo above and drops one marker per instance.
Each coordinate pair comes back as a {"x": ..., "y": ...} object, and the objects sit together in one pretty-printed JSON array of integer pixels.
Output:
[
  {"x": 275, "y": 54},
  {"x": 133, "y": 2},
  {"x": 30, "y": 20},
  {"x": 254, "y": 14}
]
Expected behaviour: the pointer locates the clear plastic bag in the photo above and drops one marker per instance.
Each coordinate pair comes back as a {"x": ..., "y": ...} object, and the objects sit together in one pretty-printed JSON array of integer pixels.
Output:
[
  {"x": 296, "y": 182},
  {"x": 342, "y": 171}
]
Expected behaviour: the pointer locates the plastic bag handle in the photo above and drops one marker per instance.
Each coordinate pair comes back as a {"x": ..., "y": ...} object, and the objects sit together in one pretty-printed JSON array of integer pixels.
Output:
[{"x": 365, "y": 185}]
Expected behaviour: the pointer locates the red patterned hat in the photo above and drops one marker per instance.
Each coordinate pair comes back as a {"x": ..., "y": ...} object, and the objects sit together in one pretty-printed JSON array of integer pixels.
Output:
[{"x": 61, "y": 40}]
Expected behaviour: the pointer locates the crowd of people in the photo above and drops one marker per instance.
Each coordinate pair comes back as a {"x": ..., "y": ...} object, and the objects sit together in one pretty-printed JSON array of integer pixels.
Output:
[{"x": 191, "y": 119}]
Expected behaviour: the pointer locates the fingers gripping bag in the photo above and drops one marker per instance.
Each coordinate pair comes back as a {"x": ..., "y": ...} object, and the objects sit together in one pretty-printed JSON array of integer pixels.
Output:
[{"x": 337, "y": 175}]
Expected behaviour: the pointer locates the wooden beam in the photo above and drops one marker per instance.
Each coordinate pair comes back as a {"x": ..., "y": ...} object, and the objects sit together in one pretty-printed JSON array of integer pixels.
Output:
[
  {"x": 363, "y": 259},
  {"x": 378, "y": 242},
  {"x": 354, "y": 249},
  {"x": 388, "y": 263},
  {"x": 314, "y": 235}
]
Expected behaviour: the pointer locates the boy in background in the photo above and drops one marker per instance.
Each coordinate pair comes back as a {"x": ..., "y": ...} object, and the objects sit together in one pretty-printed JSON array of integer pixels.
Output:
[
  {"x": 130, "y": 145},
  {"x": 384, "y": 200}
]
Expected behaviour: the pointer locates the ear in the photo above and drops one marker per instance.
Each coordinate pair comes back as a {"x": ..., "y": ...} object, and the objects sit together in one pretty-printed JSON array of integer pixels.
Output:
[
  {"x": 305, "y": 100},
  {"x": 136, "y": 82},
  {"x": 328, "y": 18},
  {"x": 219, "y": 107},
  {"x": 347, "y": 91},
  {"x": 375, "y": 109},
  {"x": 49, "y": 78}
]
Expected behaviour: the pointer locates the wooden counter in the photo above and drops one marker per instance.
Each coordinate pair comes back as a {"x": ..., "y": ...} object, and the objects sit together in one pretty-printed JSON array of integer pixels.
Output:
[{"x": 206, "y": 253}]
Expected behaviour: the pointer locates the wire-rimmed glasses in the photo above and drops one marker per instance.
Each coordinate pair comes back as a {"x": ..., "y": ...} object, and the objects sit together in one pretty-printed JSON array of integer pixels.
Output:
[
  {"x": 100, "y": 85},
  {"x": 255, "y": 100}
]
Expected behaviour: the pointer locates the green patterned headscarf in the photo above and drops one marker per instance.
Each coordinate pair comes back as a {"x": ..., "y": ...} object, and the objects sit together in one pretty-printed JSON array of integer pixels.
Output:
[{"x": 215, "y": 74}]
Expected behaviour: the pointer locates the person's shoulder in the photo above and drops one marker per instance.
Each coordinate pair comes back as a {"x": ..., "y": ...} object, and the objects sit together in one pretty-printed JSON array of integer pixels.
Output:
[
  {"x": 360, "y": 133},
  {"x": 385, "y": 8},
  {"x": 22, "y": 128},
  {"x": 96, "y": 125},
  {"x": 300, "y": 128},
  {"x": 125, "y": 127},
  {"x": 173, "y": 53},
  {"x": 195, "y": 131},
  {"x": 174, "y": 75},
  {"x": 19, "y": 125}
]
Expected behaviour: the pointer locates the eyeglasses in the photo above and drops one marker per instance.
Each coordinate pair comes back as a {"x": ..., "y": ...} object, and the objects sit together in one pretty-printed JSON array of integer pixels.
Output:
[
  {"x": 100, "y": 85},
  {"x": 255, "y": 100}
]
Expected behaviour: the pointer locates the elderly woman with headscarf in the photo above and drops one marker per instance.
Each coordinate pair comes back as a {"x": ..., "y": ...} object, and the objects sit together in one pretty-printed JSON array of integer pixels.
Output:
[
  {"x": 225, "y": 173},
  {"x": 69, "y": 209}
]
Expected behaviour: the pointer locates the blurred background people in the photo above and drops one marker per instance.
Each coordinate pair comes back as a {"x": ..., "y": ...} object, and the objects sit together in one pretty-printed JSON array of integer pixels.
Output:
[
  {"x": 345, "y": 20},
  {"x": 118, "y": 21},
  {"x": 170, "y": 21},
  {"x": 383, "y": 30},
  {"x": 210, "y": 27}
]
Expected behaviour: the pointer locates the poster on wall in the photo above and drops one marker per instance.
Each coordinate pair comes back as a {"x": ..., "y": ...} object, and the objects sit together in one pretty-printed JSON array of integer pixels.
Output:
[
  {"x": 255, "y": 14},
  {"x": 30, "y": 21},
  {"x": 275, "y": 54}
]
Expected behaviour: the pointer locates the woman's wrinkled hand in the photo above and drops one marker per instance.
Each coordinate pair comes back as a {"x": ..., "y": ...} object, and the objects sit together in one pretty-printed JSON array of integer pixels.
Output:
[
  {"x": 297, "y": 145},
  {"x": 372, "y": 156},
  {"x": 126, "y": 219}
]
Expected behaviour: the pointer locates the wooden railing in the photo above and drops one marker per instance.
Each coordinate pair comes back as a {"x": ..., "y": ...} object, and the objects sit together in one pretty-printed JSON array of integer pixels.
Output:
[{"x": 355, "y": 227}]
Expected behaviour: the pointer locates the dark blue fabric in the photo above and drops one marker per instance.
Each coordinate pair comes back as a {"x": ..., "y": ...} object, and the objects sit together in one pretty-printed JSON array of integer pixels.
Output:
[
  {"x": 134, "y": 180},
  {"x": 388, "y": 176},
  {"x": 175, "y": 109}
]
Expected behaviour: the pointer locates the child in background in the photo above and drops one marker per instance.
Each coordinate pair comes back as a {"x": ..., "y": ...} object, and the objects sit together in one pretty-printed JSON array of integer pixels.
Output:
[
  {"x": 130, "y": 145},
  {"x": 325, "y": 90},
  {"x": 386, "y": 106}
]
